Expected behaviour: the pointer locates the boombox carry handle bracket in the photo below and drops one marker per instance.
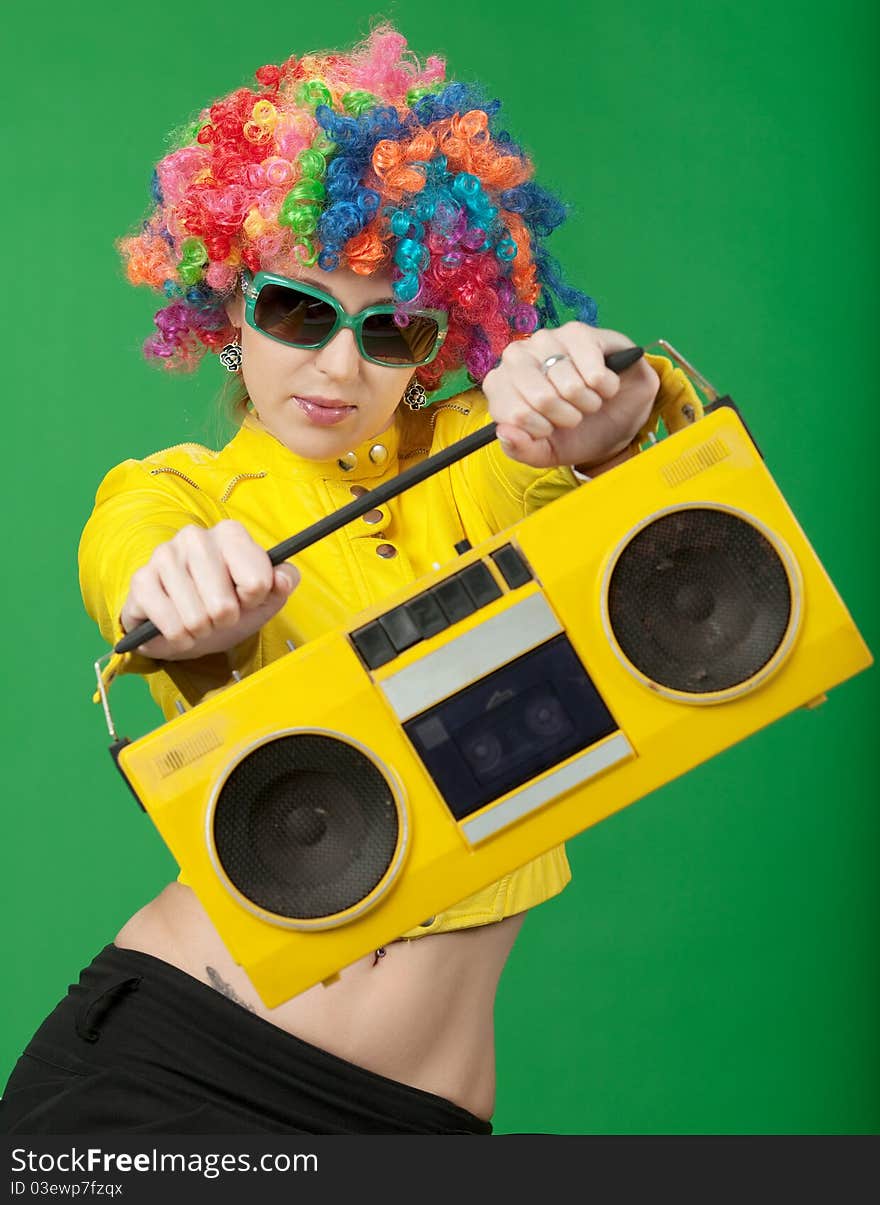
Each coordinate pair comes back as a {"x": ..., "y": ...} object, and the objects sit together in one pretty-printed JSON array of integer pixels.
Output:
[
  {"x": 715, "y": 400},
  {"x": 695, "y": 375},
  {"x": 101, "y": 695}
]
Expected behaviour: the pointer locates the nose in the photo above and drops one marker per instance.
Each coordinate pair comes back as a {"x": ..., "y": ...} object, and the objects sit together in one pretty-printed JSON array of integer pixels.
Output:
[{"x": 340, "y": 358}]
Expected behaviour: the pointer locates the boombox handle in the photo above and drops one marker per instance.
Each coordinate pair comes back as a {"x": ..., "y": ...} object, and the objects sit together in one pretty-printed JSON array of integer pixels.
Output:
[{"x": 616, "y": 361}]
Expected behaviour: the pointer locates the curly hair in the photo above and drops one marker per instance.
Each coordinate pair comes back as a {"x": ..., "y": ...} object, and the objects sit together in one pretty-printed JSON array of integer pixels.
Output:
[{"x": 364, "y": 160}]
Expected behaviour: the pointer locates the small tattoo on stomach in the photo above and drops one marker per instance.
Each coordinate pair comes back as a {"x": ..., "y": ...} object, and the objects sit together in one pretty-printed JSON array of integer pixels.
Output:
[{"x": 220, "y": 985}]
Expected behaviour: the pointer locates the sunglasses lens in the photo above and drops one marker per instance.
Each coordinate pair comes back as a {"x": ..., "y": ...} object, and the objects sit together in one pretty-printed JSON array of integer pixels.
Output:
[
  {"x": 392, "y": 344},
  {"x": 293, "y": 317}
]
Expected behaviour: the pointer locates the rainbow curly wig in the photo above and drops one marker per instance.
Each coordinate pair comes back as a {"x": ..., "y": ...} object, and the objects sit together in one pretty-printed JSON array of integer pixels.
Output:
[{"x": 364, "y": 160}]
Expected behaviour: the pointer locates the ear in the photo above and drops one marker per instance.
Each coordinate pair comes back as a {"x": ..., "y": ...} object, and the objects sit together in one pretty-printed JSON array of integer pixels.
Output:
[{"x": 235, "y": 309}]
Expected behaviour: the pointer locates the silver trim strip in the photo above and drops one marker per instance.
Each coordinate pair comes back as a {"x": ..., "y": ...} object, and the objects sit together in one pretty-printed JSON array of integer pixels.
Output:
[
  {"x": 590, "y": 763},
  {"x": 470, "y": 656}
]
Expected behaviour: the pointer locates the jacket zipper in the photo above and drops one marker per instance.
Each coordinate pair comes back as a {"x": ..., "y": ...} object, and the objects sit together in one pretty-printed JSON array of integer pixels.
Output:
[
  {"x": 448, "y": 406},
  {"x": 234, "y": 482},
  {"x": 230, "y": 487},
  {"x": 177, "y": 473}
]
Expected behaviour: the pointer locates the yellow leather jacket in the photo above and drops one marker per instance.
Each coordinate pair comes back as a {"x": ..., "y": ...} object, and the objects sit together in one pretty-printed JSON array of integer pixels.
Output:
[{"x": 274, "y": 493}]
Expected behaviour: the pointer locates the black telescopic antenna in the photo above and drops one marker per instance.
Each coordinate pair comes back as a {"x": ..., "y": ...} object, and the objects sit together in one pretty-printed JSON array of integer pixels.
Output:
[{"x": 616, "y": 361}]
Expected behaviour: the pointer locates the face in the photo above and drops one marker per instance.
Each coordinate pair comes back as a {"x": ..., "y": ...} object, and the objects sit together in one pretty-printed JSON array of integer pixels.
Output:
[{"x": 321, "y": 403}]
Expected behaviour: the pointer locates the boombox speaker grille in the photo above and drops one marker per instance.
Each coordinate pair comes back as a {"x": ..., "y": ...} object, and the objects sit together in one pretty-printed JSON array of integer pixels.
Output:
[
  {"x": 699, "y": 600},
  {"x": 305, "y": 826}
]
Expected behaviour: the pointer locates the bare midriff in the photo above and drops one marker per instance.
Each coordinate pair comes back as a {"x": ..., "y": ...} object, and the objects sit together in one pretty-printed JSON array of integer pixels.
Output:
[{"x": 421, "y": 1014}]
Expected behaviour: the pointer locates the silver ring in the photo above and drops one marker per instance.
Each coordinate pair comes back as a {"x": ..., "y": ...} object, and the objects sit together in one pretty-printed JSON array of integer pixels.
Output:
[{"x": 547, "y": 364}]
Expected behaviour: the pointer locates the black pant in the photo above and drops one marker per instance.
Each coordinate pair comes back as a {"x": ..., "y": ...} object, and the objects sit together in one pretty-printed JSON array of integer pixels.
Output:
[{"x": 139, "y": 1046}]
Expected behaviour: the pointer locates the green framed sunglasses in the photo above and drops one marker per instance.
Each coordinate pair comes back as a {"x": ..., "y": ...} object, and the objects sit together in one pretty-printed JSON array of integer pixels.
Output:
[{"x": 302, "y": 315}]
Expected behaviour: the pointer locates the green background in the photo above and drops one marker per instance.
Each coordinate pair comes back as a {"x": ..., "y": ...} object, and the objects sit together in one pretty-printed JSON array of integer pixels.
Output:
[{"x": 713, "y": 967}]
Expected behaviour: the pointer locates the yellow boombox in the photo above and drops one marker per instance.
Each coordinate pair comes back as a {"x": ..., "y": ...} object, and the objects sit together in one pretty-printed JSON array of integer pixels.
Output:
[{"x": 558, "y": 672}]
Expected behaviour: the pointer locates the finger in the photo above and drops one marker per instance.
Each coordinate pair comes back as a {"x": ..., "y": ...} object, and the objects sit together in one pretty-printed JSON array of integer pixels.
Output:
[
  {"x": 286, "y": 578},
  {"x": 176, "y": 581},
  {"x": 148, "y": 600},
  {"x": 248, "y": 565},
  {"x": 518, "y": 413},
  {"x": 519, "y": 445},
  {"x": 212, "y": 580},
  {"x": 588, "y": 346},
  {"x": 559, "y": 395},
  {"x": 569, "y": 380}
]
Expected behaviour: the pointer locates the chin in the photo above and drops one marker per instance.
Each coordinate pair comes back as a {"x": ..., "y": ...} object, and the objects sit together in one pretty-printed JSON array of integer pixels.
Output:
[{"x": 315, "y": 443}]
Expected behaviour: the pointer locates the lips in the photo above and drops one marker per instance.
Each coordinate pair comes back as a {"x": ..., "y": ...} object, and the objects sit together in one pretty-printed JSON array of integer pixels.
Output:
[{"x": 322, "y": 411}]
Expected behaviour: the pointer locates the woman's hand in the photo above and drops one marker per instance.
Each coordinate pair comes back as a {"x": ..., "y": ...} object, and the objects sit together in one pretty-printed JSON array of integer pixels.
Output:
[
  {"x": 206, "y": 590},
  {"x": 579, "y": 412}
]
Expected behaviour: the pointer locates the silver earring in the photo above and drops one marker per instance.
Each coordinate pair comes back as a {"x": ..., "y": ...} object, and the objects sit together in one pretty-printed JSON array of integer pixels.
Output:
[
  {"x": 230, "y": 356},
  {"x": 415, "y": 396}
]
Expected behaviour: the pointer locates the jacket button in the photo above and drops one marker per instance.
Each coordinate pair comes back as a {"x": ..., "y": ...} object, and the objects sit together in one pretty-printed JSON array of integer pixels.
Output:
[
  {"x": 386, "y": 550},
  {"x": 378, "y": 454},
  {"x": 348, "y": 461},
  {"x": 373, "y": 516},
  {"x": 358, "y": 490}
]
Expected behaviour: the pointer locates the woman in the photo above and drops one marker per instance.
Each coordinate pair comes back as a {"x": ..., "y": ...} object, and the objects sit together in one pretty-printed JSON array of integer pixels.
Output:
[{"x": 345, "y": 235}]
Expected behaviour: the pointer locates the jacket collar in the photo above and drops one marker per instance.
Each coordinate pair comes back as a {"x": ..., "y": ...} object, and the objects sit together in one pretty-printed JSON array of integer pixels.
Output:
[{"x": 257, "y": 448}]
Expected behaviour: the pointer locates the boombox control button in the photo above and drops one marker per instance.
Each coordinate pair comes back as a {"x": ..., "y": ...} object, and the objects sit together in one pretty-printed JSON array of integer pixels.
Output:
[
  {"x": 386, "y": 550},
  {"x": 373, "y": 645},
  {"x": 454, "y": 600},
  {"x": 426, "y": 614},
  {"x": 479, "y": 583},
  {"x": 513, "y": 568},
  {"x": 400, "y": 628}
]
